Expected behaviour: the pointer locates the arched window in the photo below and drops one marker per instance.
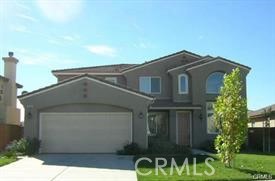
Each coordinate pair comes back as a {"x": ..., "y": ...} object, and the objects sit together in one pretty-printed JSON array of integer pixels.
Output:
[
  {"x": 214, "y": 83},
  {"x": 183, "y": 83}
]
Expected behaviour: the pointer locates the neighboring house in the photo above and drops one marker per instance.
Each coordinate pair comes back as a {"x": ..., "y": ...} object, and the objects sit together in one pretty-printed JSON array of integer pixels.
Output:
[
  {"x": 99, "y": 109},
  {"x": 9, "y": 114},
  {"x": 262, "y": 129}
]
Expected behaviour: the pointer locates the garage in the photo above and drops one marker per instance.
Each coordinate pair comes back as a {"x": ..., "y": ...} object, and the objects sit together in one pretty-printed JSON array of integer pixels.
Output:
[{"x": 97, "y": 132}]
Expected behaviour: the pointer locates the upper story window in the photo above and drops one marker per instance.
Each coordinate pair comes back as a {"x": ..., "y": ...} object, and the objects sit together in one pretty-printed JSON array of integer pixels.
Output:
[
  {"x": 150, "y": 85},
  {"x": 111, "y": 79},
  {"x": 183, "y": 84},
  {"x": 214, "y": 83}
]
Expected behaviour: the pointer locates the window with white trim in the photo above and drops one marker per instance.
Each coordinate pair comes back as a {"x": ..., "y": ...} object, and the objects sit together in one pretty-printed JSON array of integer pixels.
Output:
[
  {"x": 183, "y": 83},
  {"x": 111, "y": 79},
  {"x": 211, "y": 128},
  {"x": 214, "y": 83},
  {"x": 150, "y": 85}
]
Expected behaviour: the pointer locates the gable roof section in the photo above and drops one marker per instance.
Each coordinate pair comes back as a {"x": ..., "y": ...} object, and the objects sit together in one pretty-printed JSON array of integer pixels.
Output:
[
  {"x": 160, "y": 59},
  {"x": 200, "y": 64},
  {"x": 199, "y": 61},
  {"x": 92, "y": 78},
  {"x": 105, "y": 69}
]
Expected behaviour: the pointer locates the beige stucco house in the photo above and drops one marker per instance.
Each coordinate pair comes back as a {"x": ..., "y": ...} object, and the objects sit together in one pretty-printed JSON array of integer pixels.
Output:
[
  {"x": 9, "y": 114},
  {"x": 99, "y": 109}
]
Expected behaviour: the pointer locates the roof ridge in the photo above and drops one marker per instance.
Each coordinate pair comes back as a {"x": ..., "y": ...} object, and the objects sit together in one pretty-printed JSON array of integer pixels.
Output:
[{"x": 166, "y": 56}]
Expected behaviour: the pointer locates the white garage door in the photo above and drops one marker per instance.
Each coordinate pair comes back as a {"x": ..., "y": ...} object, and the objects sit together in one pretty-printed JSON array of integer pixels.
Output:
[{"x": 84, "y": 132}]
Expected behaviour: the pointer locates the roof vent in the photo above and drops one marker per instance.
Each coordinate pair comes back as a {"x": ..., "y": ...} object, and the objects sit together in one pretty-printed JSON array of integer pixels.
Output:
[{"x": 11, "y": 54}]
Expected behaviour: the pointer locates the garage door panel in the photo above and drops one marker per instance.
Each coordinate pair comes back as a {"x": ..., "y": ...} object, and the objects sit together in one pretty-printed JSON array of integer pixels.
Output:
[{"x": 84, "y": 132}]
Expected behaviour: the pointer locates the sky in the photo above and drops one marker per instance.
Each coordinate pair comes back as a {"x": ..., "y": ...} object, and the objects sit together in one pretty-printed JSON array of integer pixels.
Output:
[{"x": 48, "y": 35}]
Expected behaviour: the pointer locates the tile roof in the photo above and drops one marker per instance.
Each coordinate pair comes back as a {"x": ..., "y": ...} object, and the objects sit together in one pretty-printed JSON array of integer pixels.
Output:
[
  {"x": 261, "y": 112},
  {"x": 154, "y": 60},
  {"x": 121, "y": 68},
  {"x": 169, "y": 103},
  {"x": 89, "y": 76},
  {"x": 115, "y": 68},
  {"x": 6, "y": 79}
]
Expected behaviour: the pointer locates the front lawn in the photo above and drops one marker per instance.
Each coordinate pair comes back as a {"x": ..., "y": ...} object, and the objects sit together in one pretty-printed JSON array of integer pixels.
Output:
[
  {"x": 6, "y": 160},
  {"x": 247, "y": 167}
]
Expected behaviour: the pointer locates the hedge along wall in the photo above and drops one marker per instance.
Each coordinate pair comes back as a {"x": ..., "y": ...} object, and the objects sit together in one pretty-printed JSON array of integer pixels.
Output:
[{"x": 9, "y": 133}]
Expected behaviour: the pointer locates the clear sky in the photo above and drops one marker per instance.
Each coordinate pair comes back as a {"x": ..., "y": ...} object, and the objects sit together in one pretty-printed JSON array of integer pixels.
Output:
[{"x": 47, "y": 35}]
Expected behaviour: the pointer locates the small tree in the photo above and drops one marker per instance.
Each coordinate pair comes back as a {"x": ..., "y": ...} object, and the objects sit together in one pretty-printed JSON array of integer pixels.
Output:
[{"x": 230, "y": 115}]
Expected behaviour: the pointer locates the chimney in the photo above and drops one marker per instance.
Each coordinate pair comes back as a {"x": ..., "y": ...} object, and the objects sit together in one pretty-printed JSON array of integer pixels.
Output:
[{"x": 10, "y": 73}]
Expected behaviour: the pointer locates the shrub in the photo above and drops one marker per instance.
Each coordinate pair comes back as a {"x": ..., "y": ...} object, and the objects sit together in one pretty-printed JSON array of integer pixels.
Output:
[
  {"x": 208, "y": 146},
  {"x": 157, "y": 147},
  {"x": 24, "y": 146},
  {"x": 9, "y": 154},
  {"x": 130, "y": 149}
]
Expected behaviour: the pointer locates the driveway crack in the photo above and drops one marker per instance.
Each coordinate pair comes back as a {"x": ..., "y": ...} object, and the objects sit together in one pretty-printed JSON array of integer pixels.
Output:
[{"x": 60, "y": 173}]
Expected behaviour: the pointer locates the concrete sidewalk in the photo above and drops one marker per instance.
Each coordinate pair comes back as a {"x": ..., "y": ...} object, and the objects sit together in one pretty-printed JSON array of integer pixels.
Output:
[{"x": 70, "y": 167}]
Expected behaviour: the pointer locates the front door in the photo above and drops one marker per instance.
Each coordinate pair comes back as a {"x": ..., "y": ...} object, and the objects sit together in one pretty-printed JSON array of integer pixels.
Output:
[{"x": 184, "y": 128}]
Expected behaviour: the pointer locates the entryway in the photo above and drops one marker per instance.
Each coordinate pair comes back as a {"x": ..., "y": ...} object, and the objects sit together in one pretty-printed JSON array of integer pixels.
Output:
[{"x": 184, "y": 130}]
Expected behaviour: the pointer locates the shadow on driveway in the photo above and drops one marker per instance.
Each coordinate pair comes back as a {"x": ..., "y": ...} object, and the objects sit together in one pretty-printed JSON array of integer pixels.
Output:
[{"x": 103, "y": 161}]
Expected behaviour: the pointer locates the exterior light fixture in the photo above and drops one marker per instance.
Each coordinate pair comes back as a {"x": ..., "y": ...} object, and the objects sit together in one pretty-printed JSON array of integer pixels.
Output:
[
  {"x": 29, "y": 115},
  {"x": 140, "y": 115}
]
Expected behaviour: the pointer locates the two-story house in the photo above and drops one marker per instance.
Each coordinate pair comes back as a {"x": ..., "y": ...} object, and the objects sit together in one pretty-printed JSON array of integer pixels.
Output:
[{"x": 99, "y": 109}]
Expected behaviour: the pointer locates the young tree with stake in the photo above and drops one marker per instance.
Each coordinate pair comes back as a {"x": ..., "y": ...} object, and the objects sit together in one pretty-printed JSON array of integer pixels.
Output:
[{"x": 230, "y": 115}]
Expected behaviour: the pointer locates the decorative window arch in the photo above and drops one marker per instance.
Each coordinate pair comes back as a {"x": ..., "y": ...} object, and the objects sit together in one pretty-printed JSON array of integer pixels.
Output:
[
  {"x": 214, "y": 82},
  {"x": 183, "y": 84}
]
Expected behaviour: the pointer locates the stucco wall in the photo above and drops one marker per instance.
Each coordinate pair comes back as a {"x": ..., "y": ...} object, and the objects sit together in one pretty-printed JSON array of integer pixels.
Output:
[{"x": 99, "y": 97}]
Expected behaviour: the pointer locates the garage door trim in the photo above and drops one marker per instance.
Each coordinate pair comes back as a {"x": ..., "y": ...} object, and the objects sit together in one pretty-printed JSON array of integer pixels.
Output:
[{"x": 94, "y": 113}]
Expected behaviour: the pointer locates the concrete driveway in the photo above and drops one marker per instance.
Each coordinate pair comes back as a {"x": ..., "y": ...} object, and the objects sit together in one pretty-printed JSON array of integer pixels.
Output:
[{"x": 70, "y": 167}]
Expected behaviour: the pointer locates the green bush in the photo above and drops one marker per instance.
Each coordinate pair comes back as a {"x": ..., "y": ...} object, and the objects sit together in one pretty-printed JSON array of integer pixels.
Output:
[
  {"x": 130, "y": 149},
  {"x": 24, "y": 146},
  {"x": 33, "y": 147},
  {"x": 157, "y": 147},
  {"x": 208, "y": 146}
]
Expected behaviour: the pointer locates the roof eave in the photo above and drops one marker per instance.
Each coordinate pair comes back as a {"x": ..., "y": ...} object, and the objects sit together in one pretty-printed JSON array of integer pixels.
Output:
[{"x": 221, "y": 59}]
